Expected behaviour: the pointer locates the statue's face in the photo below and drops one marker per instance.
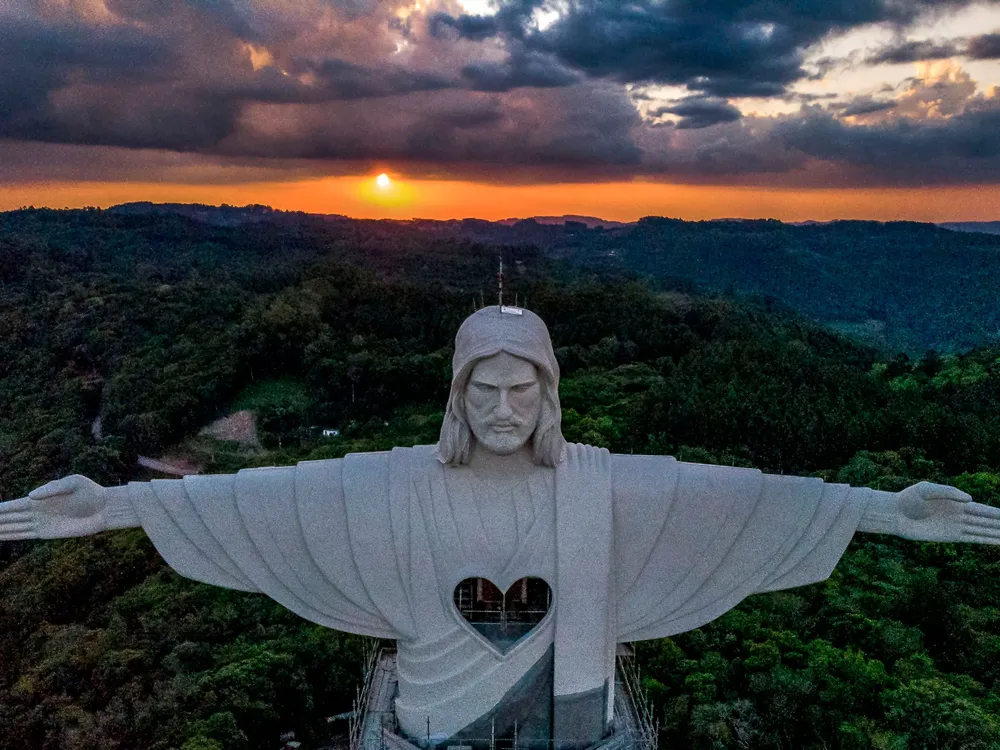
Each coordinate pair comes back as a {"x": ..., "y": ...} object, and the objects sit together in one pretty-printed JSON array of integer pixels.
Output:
[{"x": 502, "y": 401}]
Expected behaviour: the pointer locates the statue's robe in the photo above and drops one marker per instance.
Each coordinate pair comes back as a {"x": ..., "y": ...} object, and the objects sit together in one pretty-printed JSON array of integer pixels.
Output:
[{"x": 633, "y": 547}]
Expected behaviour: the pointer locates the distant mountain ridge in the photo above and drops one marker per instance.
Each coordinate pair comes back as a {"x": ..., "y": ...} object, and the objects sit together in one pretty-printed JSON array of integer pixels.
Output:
[
  {"x": 224, "y": 215},
  {"x": 901, "y": 285},
  {"x": 591, "y": 222},
  {"x": 987, "y": 227}
]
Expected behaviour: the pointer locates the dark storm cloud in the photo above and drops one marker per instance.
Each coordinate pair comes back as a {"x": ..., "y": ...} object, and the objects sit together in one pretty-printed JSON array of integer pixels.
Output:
[
  {"x": 985, "y": 47},
  {"x": 963, "y": 148},
  {"x": 54, "y": 51},
  {"x": 38, "y": 60},
  {"x": 638, "y": 44},
  {"x": 332, "y": 79},
  {"x": 519, "y": 70},
  {"x": 340, "y": 79},
  {"x": 474, "y": 28},
  {"x": 914, "y": 51},
  {"x": 180, "y": 84},
  {"x": 580, "y": 128},
  {"x": 717, "y": 47},
  {"x": 698, "y": 112},
  {"x": 864, "y": 106},
  {"x": 231, "y": 15}
]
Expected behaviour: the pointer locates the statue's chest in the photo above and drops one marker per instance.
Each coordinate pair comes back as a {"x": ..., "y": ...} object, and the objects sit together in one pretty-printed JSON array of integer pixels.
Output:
[{"x": 499, "y": 531}]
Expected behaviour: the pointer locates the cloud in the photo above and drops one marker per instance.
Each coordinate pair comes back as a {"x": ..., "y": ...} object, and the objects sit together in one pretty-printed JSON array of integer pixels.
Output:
[
  {"x": 914, "y": 51},
  {"x": 475, "y": 28},
  {"x": 903, "y": 151},
  {"x": 209, "y": 88},
  {"x": 519, "y": 70},
  {"x": 865, "y": 106},
  {"x": 582, "y": 128},
  {"x": 699, "y": 112},
  {"x": 643, "y": 43},
  {"x": 68, "y": 83},
  {"x": 941, "y": 89},
  {"x": 333, "y": 78},
  {"x": 985, "y": 47},
  {"x": 714, "y": 47}
]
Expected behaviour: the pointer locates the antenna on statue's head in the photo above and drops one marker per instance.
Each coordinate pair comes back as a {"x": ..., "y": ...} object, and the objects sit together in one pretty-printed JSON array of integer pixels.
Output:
[
  {"x": 500, "y": 284},
  {"x": 503, "y": 308}
]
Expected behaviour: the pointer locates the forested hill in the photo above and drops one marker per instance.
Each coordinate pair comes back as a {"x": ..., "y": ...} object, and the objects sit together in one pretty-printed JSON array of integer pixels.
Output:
[
  {"x": 902, "y": 286},
  {"x": 159, "y": 323}
]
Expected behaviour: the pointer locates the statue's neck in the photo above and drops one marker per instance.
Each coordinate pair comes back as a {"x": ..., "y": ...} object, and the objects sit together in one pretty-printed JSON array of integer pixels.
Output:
[{"x": 495, "y": 469}]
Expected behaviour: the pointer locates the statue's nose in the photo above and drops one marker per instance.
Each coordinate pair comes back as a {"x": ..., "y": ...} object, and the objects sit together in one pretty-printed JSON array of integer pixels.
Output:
[{"x": 503, "y": 409}]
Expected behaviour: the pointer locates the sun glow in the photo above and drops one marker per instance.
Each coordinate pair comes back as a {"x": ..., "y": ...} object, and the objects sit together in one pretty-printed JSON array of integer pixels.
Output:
[{"x": 393, "y": 197}]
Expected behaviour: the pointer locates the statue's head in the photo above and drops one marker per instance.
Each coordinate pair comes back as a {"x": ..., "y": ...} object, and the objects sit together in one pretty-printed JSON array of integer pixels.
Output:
[{"x": 504, "y": 389}]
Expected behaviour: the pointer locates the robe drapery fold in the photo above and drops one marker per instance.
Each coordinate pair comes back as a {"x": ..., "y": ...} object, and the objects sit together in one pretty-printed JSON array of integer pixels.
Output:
[
  {"x": 282, "y": 531},
  {"x": 633, "y": 547},
  {"x": 693, "y": 540}
]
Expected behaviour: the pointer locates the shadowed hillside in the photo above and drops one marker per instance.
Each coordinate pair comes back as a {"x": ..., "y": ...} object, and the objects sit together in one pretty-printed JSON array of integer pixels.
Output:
[{"x": 902, "y": 286}]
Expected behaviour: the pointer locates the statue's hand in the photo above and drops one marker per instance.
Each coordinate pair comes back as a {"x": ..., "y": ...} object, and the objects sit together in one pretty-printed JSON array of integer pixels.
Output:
[
  {"x": 939, "y": 513},
  {"x": 71, "y": 506}
]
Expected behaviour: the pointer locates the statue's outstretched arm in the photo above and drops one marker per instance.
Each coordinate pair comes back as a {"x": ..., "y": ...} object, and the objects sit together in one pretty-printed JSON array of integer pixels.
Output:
[
  {"x": 932, "y": 513},
  {"x": 71, "y": 506}
]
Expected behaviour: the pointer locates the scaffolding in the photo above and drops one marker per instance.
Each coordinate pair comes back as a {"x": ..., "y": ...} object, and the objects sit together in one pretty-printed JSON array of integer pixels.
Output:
[{"x": 374, "y": 725}]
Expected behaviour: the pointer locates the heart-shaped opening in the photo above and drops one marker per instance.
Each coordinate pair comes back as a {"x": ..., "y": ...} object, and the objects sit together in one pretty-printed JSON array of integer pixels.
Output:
[{"x": 503, "y": 618}]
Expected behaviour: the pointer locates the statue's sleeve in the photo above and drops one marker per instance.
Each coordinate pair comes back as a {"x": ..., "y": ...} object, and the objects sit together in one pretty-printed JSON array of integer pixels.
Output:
[
  {"x": 692, "y": 540},
  {"x": 282, "y": 531}
]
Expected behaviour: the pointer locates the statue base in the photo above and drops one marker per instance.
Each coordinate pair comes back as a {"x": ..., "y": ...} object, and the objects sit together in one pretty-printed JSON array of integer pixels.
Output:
[{"x": 375, "y": 728}]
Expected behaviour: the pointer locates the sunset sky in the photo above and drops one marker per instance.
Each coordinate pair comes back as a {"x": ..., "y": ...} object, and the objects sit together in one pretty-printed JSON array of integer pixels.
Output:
[{"x": 790, "y": 109}]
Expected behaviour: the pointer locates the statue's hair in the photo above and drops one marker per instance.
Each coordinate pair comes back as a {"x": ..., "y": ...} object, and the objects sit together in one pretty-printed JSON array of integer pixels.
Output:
[{"x": 547, "y": 441}]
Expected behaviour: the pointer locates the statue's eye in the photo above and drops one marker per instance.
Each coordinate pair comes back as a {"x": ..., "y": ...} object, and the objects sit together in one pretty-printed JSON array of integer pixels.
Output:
[{"x": 522, "y": 388}]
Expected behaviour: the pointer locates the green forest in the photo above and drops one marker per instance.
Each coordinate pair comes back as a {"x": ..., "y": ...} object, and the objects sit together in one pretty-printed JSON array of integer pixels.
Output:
[{"x": 155, "y": 323}]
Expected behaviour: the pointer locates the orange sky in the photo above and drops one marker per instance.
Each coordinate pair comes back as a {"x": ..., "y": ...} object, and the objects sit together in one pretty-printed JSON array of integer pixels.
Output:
[{"x": 358, "y": 197}]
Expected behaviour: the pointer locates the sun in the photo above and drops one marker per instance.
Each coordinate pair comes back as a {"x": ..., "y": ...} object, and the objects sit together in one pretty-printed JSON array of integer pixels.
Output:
[{"x": 382, "y": 181}]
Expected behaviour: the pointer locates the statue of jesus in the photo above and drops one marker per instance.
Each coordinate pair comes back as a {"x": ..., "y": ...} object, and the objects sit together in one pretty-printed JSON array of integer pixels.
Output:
[{"x": 632, "y": 547}]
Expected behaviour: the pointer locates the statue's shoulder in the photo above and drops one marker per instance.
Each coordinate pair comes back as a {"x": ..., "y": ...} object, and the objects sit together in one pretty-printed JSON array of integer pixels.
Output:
[
  {"x": 639, "y": 475},
  {"x": 626, "y": 462},
  {"x": 380, "y": 463},
  {"x": 369, "y": 478}
]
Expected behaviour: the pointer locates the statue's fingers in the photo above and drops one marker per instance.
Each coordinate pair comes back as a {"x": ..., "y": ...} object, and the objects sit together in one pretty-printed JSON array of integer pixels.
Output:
[
  {"x": 11, "y": 527},
  {"x": 979, "y": 510},
  {"x": 982, "y": 526},
  {"x": 21, "y": 505},
  {"x": 976, "y": 522},
  {"x": 21, "y": 516}
]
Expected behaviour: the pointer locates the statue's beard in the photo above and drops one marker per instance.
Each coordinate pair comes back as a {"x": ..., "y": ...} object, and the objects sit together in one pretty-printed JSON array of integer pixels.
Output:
[{"x": 503, "y": 443}]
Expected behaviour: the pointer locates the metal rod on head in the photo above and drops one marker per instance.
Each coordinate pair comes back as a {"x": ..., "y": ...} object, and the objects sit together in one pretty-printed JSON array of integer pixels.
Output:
[{"x": 500, "y": 283}]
